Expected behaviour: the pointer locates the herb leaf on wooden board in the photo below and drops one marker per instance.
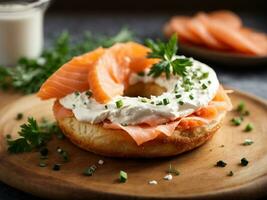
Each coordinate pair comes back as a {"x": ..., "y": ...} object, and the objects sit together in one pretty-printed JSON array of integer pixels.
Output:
[
  {"x": 32, "y": 136},
  {"x": 29, "y": 74}
]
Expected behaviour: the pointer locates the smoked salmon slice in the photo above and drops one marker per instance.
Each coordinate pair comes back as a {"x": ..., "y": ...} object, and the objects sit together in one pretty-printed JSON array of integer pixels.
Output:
[
  {"x": 199, "y": 28},
  {"x": 228, "y": 17},
  {"x": 109, "y": 76},
  {"x": 60, "y": 112},
  {"x": 71, "y": 77},
  {"x": 180, "y": 26}
]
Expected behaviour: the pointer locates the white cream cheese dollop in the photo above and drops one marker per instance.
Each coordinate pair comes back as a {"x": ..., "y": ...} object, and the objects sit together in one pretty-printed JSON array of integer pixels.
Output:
[{"x": 176, "y": 102}]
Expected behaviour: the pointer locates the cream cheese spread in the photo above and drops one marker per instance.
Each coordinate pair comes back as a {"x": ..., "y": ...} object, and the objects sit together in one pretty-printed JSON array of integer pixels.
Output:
[{"x": 183, "y": 96}]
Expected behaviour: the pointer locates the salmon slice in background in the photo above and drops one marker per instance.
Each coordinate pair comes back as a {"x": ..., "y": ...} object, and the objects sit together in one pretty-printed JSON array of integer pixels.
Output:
[
  {"x": 199, "y": 28},
  {"x": 227, "y": 17},
  {"x": 256, "y": 37},
  {"x": 179, "y": 25},
  {"x": 109, "y": 76},
  {"x": 231, "y": 37},
  {"x": 71, "y": 77}
]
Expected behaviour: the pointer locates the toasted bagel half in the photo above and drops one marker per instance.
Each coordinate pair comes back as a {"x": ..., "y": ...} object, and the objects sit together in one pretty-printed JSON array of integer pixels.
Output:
[{"x": 118, "y": 143}]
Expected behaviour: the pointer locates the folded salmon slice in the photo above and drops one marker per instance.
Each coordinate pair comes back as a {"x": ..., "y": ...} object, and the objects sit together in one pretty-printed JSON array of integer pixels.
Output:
[
  {"x": 71, "y": 77},
  {"x": 142, "y": 134}
]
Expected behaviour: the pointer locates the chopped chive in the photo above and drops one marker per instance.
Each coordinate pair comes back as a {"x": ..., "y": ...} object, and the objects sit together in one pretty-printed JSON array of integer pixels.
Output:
[
  {"x": 8, "y": 136},
  {"x": 173, "y": 171},
  {"x": 106, "y": 106},
  {"x": 43, "y": 151},
  {"x": 240, "y": 107},
  {"x": 247, "y": 142},
  {"x": 19, "y": 116},
  {"x": 191, "y": 97},
  {"x": 221, "y": 163},
  {"x": 245, "y": 113},
  {"x": 166, "y": 101},
  {"x": 144, "y": 100},
  {"x": 152, "y": 102},
  {"x": 244, "y": 162},
  {"x": 209, "y": 82},
  {"x": 90, "y": 170},
  {"x": 159, "y": 103},
  {"x": 204, "y": 75},
  {"x": 141, "y": 74},
  {"x": 236, "y": 121},
  {"x": 77, "y": 93},
  {"x": 85, "y": 103},
  {"x": 248, "y": 128},
  {"x": 231, "y": 173},
  {"x": 123, "y": 176},
  {"x": 204, "y": 86},
  {"x": 73, "y": 106},
  {"x": 63, "y": 154},
  {"x": 181, "y": 103},
  {"x": 119, "y": 103},
  {"x": 88, "y": 93},
  {"x": 178, "y": 96},
  {"x": 56, "y": 167}
]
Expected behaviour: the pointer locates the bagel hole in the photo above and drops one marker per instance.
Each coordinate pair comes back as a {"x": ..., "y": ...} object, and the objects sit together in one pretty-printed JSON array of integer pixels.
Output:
[{"x": 144, "y": 90}]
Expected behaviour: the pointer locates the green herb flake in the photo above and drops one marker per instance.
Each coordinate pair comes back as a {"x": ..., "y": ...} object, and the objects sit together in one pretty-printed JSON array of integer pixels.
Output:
[
  {"x": 230, "y": 173},
  {"x": 106, "y": 106},
  {"x": 88, "y": 93},
  {"x": 77, "y": 93},
  {"x": 141, "y": 74},
  {"x": 119, "y": 103},
  {"x": 56, "y": 167},
  {"x": 173, "y": 171},
  {"x": 42, "y": 164},
  {"x": 181, "y": 103},
  {"x": 19, "y": 116},
  {"x": 244, "y": 162},
  {"x": 221, "y": 163},
  {"x": 178, "y": 96},
  {"x": 204, "y": 86},
  {"x": 191, "y": 97},
  {"x": 159, "y": 103},
  {"x": 236, "y": 121},
  {"x": 64, "y": 154},
  {"x": 248, "y": 128},
  {"x": 123, "y": 176},
  {"x": 90, "y": 170},
  {"x": 240, "y": 107},
  {"x": 166, "y": 101},
  {"x": 247, "y": 142},
  {"x": 204, "y": 75}
]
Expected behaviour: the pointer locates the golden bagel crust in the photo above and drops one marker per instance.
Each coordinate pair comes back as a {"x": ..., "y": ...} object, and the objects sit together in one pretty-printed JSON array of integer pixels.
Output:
[{"x": 118, "y": 143}]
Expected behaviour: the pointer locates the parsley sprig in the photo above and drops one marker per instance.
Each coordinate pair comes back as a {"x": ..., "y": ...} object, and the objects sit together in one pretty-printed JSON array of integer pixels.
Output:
[
  {"x": 32, "y": 135},
  {"x": 29, "y": 74},
  {"x": 169, "y": 63}
]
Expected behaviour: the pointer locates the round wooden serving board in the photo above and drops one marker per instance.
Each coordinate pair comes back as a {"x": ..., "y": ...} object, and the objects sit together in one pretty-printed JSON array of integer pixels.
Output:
[{"x": 198, "y": 179}]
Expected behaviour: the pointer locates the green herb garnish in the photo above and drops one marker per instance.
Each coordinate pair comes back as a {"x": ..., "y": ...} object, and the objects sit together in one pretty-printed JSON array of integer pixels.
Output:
[
  {"x": 29, "y": 74},
  {"x": 247, "y": 142},
  {"x": 64, "y": 154},
  {"x": 119, "y": 103},
  {"x": 191, "y": 97},
  {"x": 244, "y": 162},
  {"x": 248, "y": 128},
  {"x": 32, "y": 135},
  {"x": 169, "y": 63},
  {"x": 240, "y": 107},
  {"x": 90, "y": 170},
  {"x": 173, "y": 171},
  {"x": 204, "y": 86},
  {"x": 123, "y": 176},
  {"x": 236, "y": 121},
  {"x": 19, "y": 116},
  {"x": 181, "y": 103},
  {"x": 231, "y": 173},
  {"x": 166, "y": 101},
  {"x": 178, "y": 96},
  {"x": 221, "y": 163},
  {"x": 88, "y": 93},
  {"x": 56, "y": 167}
]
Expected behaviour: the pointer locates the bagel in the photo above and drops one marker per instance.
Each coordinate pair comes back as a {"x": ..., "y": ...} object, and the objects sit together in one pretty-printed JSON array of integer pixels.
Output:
[
  {"x": 117, "y": 143},
  {"x": 113, "y": 110}
]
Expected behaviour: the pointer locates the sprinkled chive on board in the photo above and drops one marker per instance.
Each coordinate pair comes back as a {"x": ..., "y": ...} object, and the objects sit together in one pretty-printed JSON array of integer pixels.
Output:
[{"x": 244, "y": 176}]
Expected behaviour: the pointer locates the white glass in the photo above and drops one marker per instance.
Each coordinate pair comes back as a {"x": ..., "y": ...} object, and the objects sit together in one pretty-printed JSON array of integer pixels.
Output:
[{"x": 21, "y": 30}]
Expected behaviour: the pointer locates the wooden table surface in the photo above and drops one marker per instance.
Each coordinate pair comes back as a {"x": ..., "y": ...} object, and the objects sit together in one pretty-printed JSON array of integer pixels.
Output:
[{"x": 145, "y": 25}]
